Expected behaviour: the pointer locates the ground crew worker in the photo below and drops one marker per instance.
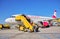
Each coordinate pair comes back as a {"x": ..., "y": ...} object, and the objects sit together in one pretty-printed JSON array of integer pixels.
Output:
[
  {"x": 50, "y": 23},
  {"x": 35, "y": 27}
]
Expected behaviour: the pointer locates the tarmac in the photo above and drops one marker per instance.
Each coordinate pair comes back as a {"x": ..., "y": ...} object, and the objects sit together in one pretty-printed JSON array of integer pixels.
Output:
[{"x": 44, "y": 33}]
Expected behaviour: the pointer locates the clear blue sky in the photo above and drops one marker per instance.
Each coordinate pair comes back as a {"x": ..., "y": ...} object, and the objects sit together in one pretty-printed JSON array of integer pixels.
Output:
[{"x": 32, "y": 7}]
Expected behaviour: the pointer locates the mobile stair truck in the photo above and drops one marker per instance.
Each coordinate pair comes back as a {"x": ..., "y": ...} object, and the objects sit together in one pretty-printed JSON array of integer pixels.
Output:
[{"x": 26, "y": 25}]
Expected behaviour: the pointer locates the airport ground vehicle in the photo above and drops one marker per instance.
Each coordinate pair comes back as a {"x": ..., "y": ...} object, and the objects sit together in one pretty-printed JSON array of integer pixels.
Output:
[
  {"x": 0, "y": 26},
  {"x": 55, "y": 22},
  {"x": 4, "y": 26},
  {"x": 26, "y": 23}
]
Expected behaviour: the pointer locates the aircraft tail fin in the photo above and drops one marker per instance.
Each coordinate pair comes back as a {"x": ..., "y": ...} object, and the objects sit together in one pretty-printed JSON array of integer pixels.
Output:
[{"x": 54, "y": 15}]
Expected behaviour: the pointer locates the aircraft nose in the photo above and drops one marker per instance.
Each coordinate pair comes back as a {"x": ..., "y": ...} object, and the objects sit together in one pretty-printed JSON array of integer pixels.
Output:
[
  {"x": 9, "y": 20},
  {"x": 12, "y": 21}
]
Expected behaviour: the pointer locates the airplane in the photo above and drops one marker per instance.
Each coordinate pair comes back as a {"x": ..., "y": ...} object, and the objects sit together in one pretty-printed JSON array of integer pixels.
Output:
[{"x": 35, "y": 19}]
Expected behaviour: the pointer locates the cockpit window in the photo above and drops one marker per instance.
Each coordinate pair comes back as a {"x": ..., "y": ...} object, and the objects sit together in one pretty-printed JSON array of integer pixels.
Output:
[{"x": 12, "y": 16}]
